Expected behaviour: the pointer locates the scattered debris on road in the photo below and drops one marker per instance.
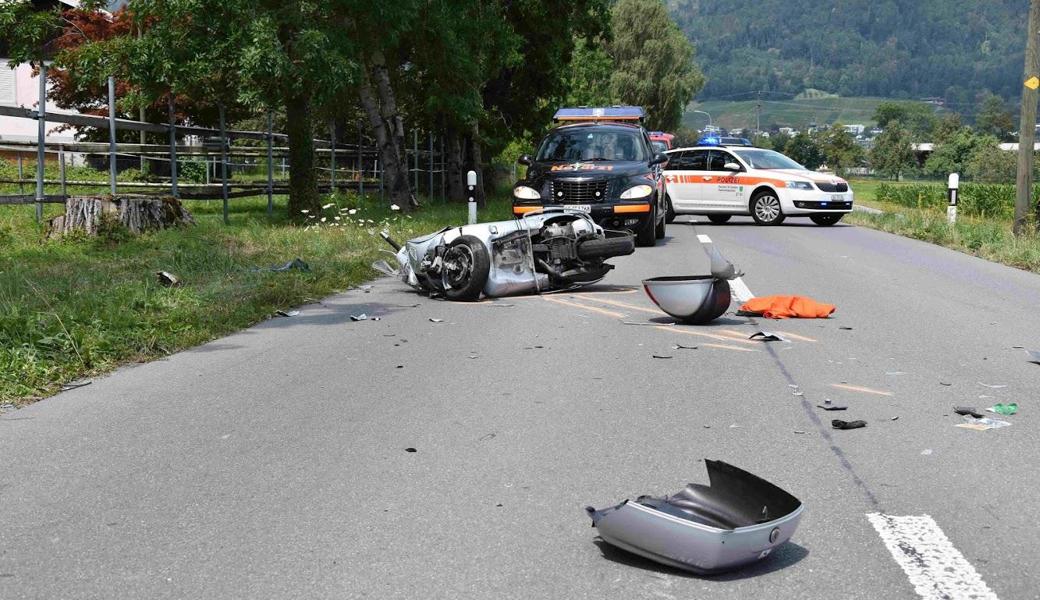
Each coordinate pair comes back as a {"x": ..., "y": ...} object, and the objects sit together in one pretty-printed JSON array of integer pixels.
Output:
[
  {"x": 75, "y": 384},
  {"x": 926, "y": 452},
  {"x": 839, "y": 424},
  {"x": 681, "y": 347},
  {"x": 660, "y": 356},
  {"x": 360, "y": 317},
  {"x": 982, "y": 424},
  {"x": 992, "y": 386},
  {"x": 167, "y": 279},
  {"x": 767, "y": 336},
  {"x": 947, "y": 384},
  {"x": 828, "y": 405},
  {"x": 410, "y": 450},
  {"x": 785, "y": 307},
  {"x": 287, "y": 313},
  {"x": 432, "y": 320},
  {"x": 968, "y": 411},
  {"x": 1034, "y": 356},
  {"x": 1004, "y": 409},
  {"x": 296, "y": 264},
  {"x": 384, "y": 267},
  {"x": 486, "y": 437},
  {"x": 845, "y": 328},
  {"x": 649, "y": 323},
  {"x": 704, "y": 528}
]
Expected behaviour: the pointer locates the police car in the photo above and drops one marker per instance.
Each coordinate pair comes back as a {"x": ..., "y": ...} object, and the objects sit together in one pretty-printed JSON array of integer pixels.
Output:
[
  {"x": 721, "y": 181},
  {"x": 601, "y": 161}
]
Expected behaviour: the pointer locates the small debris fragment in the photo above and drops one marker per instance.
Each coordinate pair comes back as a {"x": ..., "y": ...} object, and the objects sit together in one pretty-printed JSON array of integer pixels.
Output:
[
  {"x": 296, "y": 263},
  {"x": 366, "y": 288},
  {"x": 653, "y": 324},
  {"x": 410, "y": 450},
  {"x": 167, "y": 279},
  {"x": 399, "y": 367},
  {"x": 968, "y": 411},
  {"x": 992, "y": 386},
  {"x": 828, "y": 405},
  {"x": 844, "y": 328},
  {"x": 894, "y": 373},
  {"x": 767, "y": 336},
  {"x": 361, "y": 317},
  {"x": 799, "y": 431},
  {"x": 707, "y": 426},
  {"x": 1004, "y": 409},
  {"x": 486, "y": 437},
  {"x": 432, "y": 320},
  {"x": 74, "y": 384},
  {"x": 660, "y": 356},
  {"x": 895, "y": 418},
  {"x": 926, "y": 452},
  {"x": 377, "y": 318},
  {"x": 681, "y": 347},
  {"x": 798, "y": 393},
  {"x": 945, "y": 383},
  {"x": 735, "y": 426},
  {"x": 839, "y": 424},
  {"x": 1034, "y": 356},
  {"x": 287, "y": 313},
  {"x": 384, "y": 267},
  {"x": 982, "y": 424}
]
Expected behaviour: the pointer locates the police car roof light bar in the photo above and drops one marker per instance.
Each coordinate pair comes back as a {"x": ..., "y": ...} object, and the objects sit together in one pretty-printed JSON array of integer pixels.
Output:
[
  {"x": 605, "y": 113},
  {"x": 709, "y": 140}
]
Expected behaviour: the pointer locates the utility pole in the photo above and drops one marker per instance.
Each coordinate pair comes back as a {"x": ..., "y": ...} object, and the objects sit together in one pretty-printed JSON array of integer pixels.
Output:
[
  {"x": 1027, "y": 121},
  {"x": 758, "y": 113}
]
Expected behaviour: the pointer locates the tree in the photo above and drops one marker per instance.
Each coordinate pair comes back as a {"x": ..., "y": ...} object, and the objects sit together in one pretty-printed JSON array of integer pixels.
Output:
[
  {"x": 990, "y": 164},
  {"x": 803, "y": 149},
  {"x": 654, "y": 65},
  {"x": 839, "y": 149},
  {"x": 952, "y": 155},
  {"x": 994, "y": 118},
  {"x": 917, "y": 118},
  {"x": 893, "y": 152},
  {"x": 589, "y": 83}
]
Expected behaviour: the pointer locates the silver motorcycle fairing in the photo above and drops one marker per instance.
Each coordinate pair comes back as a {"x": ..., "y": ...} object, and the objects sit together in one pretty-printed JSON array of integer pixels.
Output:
[{"x": 508, "y": 244}]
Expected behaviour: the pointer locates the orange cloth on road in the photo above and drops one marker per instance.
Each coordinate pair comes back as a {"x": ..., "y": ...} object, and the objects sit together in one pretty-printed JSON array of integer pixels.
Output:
[{"x": 782, "y": 307}]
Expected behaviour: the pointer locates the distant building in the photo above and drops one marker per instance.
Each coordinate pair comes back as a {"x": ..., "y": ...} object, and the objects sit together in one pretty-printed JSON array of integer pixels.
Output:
[
  {"x": 789, "y": 131},
  {"x": 855, "y": 129}
]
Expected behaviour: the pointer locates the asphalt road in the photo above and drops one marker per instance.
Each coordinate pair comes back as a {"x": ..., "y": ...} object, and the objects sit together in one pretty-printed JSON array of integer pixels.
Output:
[{"x": 272, "y": 463}]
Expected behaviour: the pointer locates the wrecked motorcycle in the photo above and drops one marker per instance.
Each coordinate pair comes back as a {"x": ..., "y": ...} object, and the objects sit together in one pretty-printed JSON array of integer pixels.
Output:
[{"x": 550, "y": 250}]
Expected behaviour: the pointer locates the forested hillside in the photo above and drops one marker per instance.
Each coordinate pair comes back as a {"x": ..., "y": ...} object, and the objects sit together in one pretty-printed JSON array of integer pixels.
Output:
[{"x": 891, "y": 48}]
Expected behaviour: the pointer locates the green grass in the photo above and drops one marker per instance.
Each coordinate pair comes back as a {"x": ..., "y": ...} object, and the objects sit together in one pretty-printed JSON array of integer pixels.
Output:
[
  {"x": 786, "y": 113},
  {"x": 988, "y": 238},
  {"x": 80, "y": 307}
]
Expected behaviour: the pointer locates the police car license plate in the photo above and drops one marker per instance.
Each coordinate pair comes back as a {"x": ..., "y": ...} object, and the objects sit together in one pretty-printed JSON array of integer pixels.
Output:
[
  {"x": 584, "y": 207},
  {"x": 837, "y": 198}
]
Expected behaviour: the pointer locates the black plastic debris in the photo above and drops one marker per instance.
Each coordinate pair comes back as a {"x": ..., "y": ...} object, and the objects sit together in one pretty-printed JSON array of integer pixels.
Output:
[
  {"x": 294, "y": 264},
  {"x": 839, "y": 424},
  {"x": 681, "y": 347},
  {"x": 969, "y": 411},
  {"x": 432, "y": 320},
  {"x": 287, "y": 313},
  {"x": 360, "y": 317},
  {"x": 75, "y": 384},
  {"x": 167, "y": 279},
  {"x": 410, "y": 450},
  {"x": 845, "y": 328},
  {"x": 660, "y": 356},
  {"x": 767, "y": 336},
  {"x": 736, "y": 520}
]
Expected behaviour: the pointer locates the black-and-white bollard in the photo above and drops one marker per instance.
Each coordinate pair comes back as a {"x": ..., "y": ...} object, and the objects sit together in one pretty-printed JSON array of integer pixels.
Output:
[
  {"x": 952, "y": 185},
  {"x": 471, "y": 182}
]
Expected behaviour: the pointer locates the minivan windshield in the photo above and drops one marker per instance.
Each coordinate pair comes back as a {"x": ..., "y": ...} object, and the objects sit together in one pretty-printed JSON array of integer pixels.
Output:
[
  {"x": 766, "y": 159},
  {"x": 593, "y": 143}
]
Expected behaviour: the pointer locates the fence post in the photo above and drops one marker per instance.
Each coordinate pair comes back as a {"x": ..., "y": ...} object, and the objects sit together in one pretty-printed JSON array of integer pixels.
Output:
[
  {"x": 360, "y": 163},
  {"x": 223, "y": 164},
  {"x": 61, "y": 170},
  {"x": 112, "y": 135},
  {"x": 173, "y": 149},
  {"x": 270, "y": 167},
  {"x": 40, "y": 150},
  {"x": 332, "y": 159},
  {"x": 953, "y": 183},
  {"x": 21, "y": 176},
  {"x": 471, "y": 183}
]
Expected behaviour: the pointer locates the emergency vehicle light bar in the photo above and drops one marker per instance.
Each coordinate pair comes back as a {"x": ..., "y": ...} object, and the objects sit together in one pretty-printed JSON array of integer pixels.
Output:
[
  {"x": 709, "y": 140},
  {"x": 606, "y": 113}
]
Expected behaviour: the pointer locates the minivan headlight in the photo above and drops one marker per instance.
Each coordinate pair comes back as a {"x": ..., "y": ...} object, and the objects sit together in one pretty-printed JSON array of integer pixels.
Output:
[
  {"x": 526, "y": 193},
  {"x": 636, "y": 192}
]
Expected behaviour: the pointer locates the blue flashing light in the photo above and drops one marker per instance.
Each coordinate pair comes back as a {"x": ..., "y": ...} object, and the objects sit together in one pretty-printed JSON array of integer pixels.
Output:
[
  {"x": 709, "y": 140},
  {"x": 606, "y": 113}
]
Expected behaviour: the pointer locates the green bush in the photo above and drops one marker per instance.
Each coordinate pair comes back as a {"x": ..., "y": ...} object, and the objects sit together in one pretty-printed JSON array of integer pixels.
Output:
[
  {"x": 193, "y": 171},
  {"x": 976, "y": 199}
]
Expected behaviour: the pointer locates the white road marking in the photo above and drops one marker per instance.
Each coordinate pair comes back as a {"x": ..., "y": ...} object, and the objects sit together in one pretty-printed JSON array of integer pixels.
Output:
[
  {"x": 936, "y": 569},
  {"x": 738, "y": 289}
]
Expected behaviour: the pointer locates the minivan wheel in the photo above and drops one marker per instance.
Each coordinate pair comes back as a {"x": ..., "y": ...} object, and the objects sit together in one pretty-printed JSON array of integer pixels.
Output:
[{"x": 765, "y": 208}]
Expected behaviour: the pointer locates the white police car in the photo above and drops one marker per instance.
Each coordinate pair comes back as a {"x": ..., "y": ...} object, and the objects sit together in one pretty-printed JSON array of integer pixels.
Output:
[{"x": 721, "y": 181}]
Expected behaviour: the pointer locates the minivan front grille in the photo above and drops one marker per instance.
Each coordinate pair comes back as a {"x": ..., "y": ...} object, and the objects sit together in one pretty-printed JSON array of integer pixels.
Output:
[
  {"x": 578, "y": 192},
  {"x": 833, "y": 187}
]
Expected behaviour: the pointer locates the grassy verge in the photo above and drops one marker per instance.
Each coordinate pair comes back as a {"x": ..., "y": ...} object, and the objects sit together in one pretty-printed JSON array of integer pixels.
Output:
[
  {"x": 987, "y": 238},
  {"x": 79, "y": 307}
]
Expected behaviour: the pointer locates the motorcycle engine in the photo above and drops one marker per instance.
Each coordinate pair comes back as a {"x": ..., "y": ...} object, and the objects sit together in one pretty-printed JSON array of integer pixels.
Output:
[{"x": 561, "y": 240}]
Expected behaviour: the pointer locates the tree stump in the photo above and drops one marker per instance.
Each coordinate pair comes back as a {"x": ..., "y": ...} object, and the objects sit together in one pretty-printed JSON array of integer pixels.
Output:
[{"x": 137, "y": 213}]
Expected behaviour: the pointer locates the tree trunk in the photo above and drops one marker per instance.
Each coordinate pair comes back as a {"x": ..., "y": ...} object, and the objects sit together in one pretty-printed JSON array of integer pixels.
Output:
[
  {"x": 378, "y": 100},
  {"x": 303, "y": 185},
  {"x": 454, "y": 166},
  {"x": 137, "y": 214}
]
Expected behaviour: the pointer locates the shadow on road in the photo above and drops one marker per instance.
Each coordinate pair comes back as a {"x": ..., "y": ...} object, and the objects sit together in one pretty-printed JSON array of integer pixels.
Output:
[{"x": 784, "y": 556}]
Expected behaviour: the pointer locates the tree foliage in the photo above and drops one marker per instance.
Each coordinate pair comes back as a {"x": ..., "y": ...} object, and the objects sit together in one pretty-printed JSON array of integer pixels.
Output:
[
  {"x": 917, "y": 118},
  {"x": 993, "y": 118},
  {"x": 803, "y": 149},
  {"x": 893, "y": 153},
  {"x": 653, "y": 62}
]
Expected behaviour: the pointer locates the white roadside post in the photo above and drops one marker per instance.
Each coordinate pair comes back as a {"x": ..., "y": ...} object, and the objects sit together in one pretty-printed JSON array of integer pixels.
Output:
[
  {"x": 952, "y": 184},
  {"x": 471, "y": 181}
]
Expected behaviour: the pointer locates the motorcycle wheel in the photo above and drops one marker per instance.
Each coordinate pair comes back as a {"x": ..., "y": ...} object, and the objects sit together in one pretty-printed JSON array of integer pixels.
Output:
[
  {"x": 606, "y": 247},
  {"x": 466, "y": 268}
]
